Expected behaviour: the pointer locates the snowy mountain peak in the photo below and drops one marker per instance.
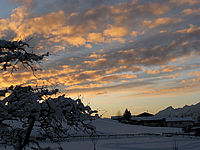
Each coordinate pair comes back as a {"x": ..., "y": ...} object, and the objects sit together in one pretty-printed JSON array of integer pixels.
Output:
[
  {"x": 187, "y": 111},
  {"x": 198, "y": 104},
  {"x": 170, "y": 107}
]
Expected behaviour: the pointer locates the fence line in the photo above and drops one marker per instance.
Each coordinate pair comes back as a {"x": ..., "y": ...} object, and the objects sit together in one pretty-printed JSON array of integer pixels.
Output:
[{"x": 114, "y": 136}]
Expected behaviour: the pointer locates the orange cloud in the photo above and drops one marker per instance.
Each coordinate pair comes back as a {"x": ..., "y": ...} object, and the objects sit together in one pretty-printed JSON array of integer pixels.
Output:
[
  {"x": 175, "y": 75},
  {"x": 44, "y": 25},
  {"x": 15, "y": 20},
  {"x": 100, "y": 61},
  {"x": 163, "y": 31},
  {"x": 63, "y": 75},
  {"x": 114, "y": 31},
  {"x": 134, "y": 33},
  {"x": 170, "y": 68},
  {"x": 86, "y": 86},
  {"x": 152, "y": 71},
  {"x": 51, "y": 26},
  {"x": 8, "y": 79},
  {"x": 95, "y": 37},
  {"x": 195, "y": 73},
  {"x": 159, "y": 22},
  {"x": 190, "y": 11},
  {"x": 95, "y": 55},
  {"x": 73, "y": 40},
  {"x": 88, "y": 46},
  {"x": 192, "y": 28}
]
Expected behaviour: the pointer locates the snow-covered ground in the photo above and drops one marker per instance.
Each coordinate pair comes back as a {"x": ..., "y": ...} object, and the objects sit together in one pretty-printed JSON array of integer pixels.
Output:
[
  {"x": 111, "y": 127},
  {"x": 134, "y": 143}
]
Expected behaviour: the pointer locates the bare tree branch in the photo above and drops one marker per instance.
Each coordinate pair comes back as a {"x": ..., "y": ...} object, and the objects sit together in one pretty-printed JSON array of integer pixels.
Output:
[{"x": 11, "y": 53}]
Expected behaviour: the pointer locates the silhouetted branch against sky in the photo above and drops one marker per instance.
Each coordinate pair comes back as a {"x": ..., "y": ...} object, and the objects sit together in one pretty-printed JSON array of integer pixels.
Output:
[{"x": 14, "y": 52}]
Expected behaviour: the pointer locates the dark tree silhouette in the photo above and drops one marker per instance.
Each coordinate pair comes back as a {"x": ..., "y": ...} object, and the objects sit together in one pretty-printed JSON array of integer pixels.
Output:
[
  {"x": 29, "y": 114},
  {"x": 12, "y": 53},
  {"x": 127, "y": 115}
]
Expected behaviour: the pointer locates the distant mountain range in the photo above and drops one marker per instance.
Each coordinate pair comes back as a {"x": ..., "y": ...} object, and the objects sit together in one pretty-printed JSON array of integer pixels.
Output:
[{"x": 187, "y": 111}]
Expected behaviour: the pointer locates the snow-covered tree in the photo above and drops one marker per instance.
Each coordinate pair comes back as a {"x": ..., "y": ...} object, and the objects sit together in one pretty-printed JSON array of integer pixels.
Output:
[
  {"x": 28, "y": 114},
  {"x": 27, "y": 109}
]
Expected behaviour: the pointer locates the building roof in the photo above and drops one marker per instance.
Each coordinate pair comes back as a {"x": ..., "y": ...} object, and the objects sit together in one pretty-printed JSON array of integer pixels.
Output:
[
  {"x": 145, "y": 114},
  {"x": 146, "y": 118}
]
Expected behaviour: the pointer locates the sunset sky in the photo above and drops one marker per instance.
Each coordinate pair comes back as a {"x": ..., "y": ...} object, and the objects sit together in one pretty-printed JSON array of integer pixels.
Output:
[{"x": 143, "y": 55}]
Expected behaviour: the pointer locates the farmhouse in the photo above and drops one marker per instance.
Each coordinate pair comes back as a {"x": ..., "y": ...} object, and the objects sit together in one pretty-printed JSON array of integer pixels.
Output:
[
  {"x": 145, "y": 114},
  {"x": 179, "y": 122},
  {"x": 148, "y": 121}
]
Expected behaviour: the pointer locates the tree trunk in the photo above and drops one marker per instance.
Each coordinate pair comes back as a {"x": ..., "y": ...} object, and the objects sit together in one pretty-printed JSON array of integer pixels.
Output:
[{"x": 28, "y": 133}]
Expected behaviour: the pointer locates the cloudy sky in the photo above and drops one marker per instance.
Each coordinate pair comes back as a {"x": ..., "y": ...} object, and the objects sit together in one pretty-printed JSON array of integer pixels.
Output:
[{"x": 143, "y": 55}]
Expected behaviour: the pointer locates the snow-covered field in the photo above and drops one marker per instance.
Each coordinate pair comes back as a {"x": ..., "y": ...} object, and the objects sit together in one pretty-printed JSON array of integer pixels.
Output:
[
  {"x": 108, "y": 126},
  {"x": 111, "y": 127},
  {"x": 136, "y": 143}
]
